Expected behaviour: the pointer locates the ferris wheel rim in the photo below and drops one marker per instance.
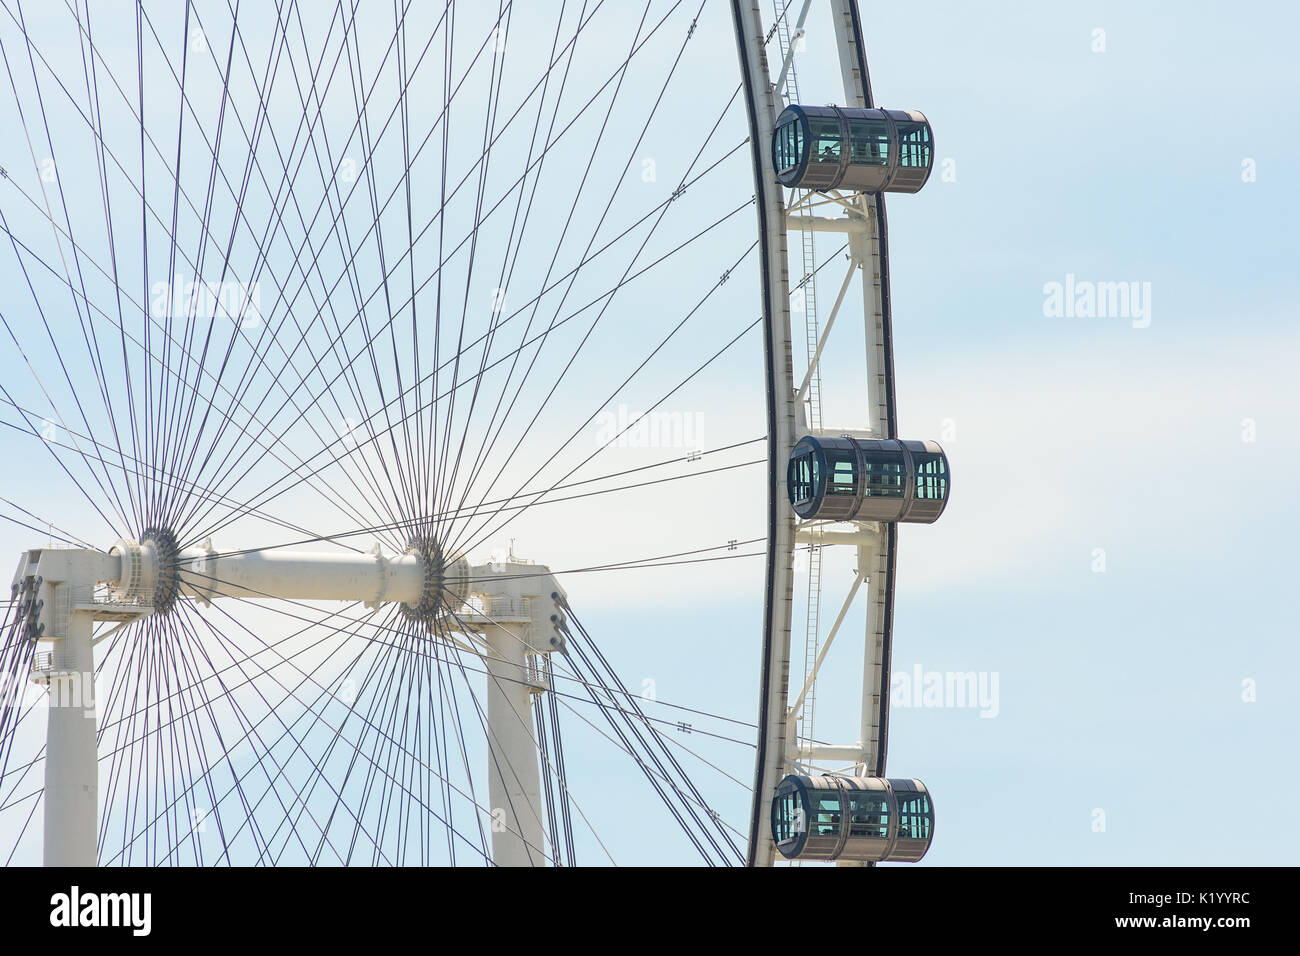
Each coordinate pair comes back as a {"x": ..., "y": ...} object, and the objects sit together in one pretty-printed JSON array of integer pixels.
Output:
[{"x": 781, "y": 400}]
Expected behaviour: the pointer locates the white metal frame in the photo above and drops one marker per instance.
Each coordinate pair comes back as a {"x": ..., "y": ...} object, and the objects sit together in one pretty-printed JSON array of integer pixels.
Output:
[{"x": 506, "y": 606}]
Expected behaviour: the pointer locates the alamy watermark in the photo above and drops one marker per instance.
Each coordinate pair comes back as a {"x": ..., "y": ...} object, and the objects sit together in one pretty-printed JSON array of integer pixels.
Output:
[
  {"x": 1085, "y": 299},
  {"x": 58, "y": 687},
  {"x": 624, "y": 428},
  {"x": 947, "y": 689},
  {"x": 75, "y": 908},
  {"x": 184, "y": 298}
]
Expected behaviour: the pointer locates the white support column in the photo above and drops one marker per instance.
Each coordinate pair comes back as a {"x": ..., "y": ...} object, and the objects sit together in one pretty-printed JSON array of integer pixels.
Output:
[
  {"x": 71, "y": 760},
  {"x": 514, "y": 784},
  {"x": 68, "y": 578}
]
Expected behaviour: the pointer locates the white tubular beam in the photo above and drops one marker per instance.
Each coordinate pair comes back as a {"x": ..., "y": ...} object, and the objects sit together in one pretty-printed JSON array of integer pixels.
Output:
[
  {"x": 841, "y": 224},
  {"x": 302, "y": 576},
  {"x": 824, "y": 536},
  {"x": 827, "y": 753},
  {"x": 821, "y": 344},
  {"x": 821, "y": 655},
  {"x": 514, "y": 782},
  {"x": 795, "y": 37}
]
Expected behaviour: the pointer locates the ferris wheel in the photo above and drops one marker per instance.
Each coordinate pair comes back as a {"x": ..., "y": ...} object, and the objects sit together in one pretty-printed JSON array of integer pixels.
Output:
[{"x": 314, "y": 313}]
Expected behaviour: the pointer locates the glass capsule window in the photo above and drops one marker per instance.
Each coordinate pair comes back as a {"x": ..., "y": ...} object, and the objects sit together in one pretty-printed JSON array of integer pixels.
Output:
[
  {"x": 914, "y": 816},
  {"x": 931, "y": 476},
  {"x": 884, "y": 475},
  {"x": 870, "y": 142},
  {"x": 802, "y": 478},
  {"x": 843, "y": 478},
  {"x": 869, "y": 814},
  {"x": 788, "y": 812},
  {"x": 826, "y": 816},
  {"x": 914, "y": 148},
  {"x": 789, "y": 146},
  {"x": 826, "y": 141}
]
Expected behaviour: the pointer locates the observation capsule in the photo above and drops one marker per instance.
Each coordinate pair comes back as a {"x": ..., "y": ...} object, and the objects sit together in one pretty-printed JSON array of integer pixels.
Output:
[
  {"x": 868, "y": 479},
  {"x": 827, "y": 147},
  {"x": 865, "y": 819}
]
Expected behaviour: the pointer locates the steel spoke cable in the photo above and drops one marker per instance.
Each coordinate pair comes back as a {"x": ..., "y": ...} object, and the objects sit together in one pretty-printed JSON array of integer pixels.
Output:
[
  {"x": 485, "y": 447},
  {"x": 449, "y": 474},
  {"x": 658, "y": 737},
  {"x": 430, "y": 277},
  {"x": 591, "y": 687},
  {"x": 90, "y": 499},
  {"x": 404, "y": 497},
  {"x": 296, "y": 796},
  {"x": 339, "y": 536},
  {"x": 311, "y": 677},
  {"x": 690, "y": 797},
  {"x": 269, "y": 448},
  {"x": 530, "y": 732},
  {"x": 518, "y": 227},
  {"x": 89, "y": 338},
  {"x": 654, "y": 778},
  {"x": 466, "y": 239},
  {"x": 489, "y": 125},
  {"x": 253, "y": 730},
  {"x": 62, "y": 256},
  {"x": 114, "y": 501},
  {"x": 120, "y": 164},
  {"x": 562, "y": 776},
  {"x": 99, "y": 140},
  {"x": 307, "y": 231},
  {"x": 201, "y": 492},
  {"x": 611, "y": 440},
  {"x": 49, "y": 527},
  {"x": 358, "y": 750},
  {"x": 493, "y": 427},
  {"x": 109, "y": 724},
  {"x": 310, "y": 622},
  {"x": 269, "y": 492},
  {"x": 481, "y": 533},
  {"x": 576, "y": 713},
  {"x": 501, "y": 504},
  {"x": 251, "y": 733}
]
